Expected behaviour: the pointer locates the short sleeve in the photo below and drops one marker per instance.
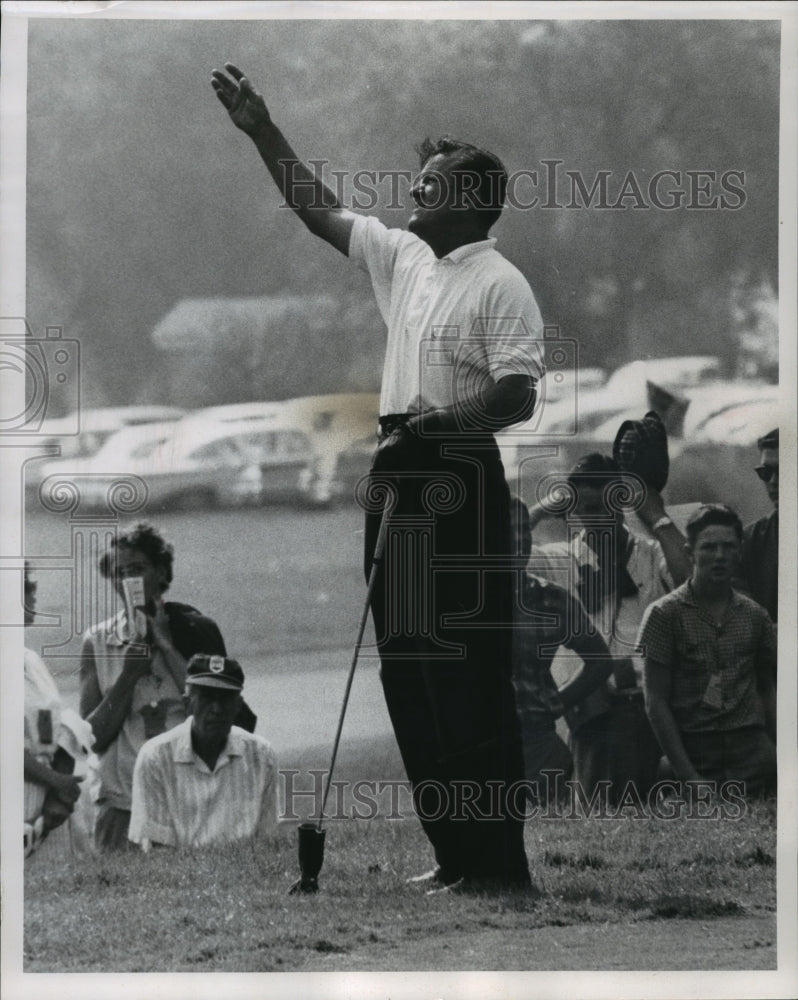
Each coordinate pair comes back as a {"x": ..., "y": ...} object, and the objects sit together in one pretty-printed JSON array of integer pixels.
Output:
[
  {"x": 149, "y": 816},
  {"x": 375, "y": 248},
  {"x": 512, "y": 328},
  {"x": 656, "y": 635},
  {"x": 767, "y": 653},
  {"x": 649, "y": 567}
]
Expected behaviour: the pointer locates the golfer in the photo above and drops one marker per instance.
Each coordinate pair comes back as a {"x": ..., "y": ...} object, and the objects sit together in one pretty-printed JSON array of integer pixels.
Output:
[{"x": 460, "y": 363}]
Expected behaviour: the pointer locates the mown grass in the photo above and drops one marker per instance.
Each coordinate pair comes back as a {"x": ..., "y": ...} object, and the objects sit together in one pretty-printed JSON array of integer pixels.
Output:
[{"x": 228, "y": 909}]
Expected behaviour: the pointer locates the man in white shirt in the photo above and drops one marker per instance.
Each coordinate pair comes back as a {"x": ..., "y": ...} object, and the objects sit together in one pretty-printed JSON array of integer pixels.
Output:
[
  {"x": 461, "y": 362},
  {"x": 206, "y": 781}
]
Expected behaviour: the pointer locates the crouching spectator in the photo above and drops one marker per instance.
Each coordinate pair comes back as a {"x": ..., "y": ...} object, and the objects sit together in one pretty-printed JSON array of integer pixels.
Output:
[
  {"x": 55, "y": 739},
  {"x": 545, "y": 618},
  {"x": 206, "y": 781},
  {"x": 710, "y": 656}
]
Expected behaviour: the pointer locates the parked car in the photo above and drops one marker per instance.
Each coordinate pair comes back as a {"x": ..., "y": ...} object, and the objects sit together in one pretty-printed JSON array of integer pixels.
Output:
[
  {"x": 588, "y": 421},
  {"x": 678, "y": 372},
  {"x": 94, "y": 427},
  {"x": 235, "y": 413},
  {"x": 193, "y": 463},
  {"x": 353, "y": 464},
  {"x": 705, "y": 404},
  {"x": 741, "y": 423},
  {"x": 331, "y": 423},
  {"x": 334, "y": 423}
]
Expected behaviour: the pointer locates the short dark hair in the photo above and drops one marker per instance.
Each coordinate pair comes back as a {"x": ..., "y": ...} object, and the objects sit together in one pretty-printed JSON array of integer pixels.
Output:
[
  {"x": 490, "y": 189},
  {"x": 769, "y": 440},
  {"x": 144, "y": 538},
  {"x": 594, "y": 471},
  {"x": 709, "y": 514}
]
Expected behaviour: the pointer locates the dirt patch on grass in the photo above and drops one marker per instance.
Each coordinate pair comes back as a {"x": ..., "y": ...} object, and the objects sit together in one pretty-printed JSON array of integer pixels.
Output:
[{"x": 724, "y": 943}]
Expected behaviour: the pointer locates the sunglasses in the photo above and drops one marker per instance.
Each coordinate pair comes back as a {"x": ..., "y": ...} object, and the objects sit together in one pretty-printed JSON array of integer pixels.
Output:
[{"x": 766, "y": 472}]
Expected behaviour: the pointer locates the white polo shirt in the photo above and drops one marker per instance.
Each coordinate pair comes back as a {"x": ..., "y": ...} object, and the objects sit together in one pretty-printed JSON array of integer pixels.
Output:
[
  {"x": 179, "y": 801},
  {"x": 452, "y": 322}
]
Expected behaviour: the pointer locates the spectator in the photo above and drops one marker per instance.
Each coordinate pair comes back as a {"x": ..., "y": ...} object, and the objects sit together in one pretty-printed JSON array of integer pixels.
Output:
[
  {"x": 759, "y": 566},
  {"x": 616, "y": 574},
  {"x": 547, "y": 616},
  {"x": 709, "y": 665},
  {"x": 206, "y": 781},
  {"x": 54, "y": 739},
  {"x": 131, "y": 691}
]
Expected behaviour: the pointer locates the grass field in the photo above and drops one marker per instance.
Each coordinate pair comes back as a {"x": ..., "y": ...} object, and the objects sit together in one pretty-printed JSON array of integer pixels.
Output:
[
  {"x": 287, "y": 589},
  {"x": 678, "y": 894}
]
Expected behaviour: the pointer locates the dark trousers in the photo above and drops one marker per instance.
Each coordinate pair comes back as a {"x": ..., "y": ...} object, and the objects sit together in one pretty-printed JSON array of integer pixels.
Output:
[
  {"x": 746, "y": 754},
  {"x": 619, "y": 747},
  {"x": 441, "y": 610},
  {"x": 111, "y": 827}
]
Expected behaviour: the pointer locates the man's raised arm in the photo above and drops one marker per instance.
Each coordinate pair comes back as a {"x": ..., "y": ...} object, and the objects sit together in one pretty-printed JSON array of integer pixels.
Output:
[{"x": 314, "y": 203}]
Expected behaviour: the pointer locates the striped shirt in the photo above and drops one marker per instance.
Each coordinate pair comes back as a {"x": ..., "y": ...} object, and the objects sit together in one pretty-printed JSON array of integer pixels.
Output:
[
  {"x": 179, "y": 801},
  {"x": 714, "y": 668}
]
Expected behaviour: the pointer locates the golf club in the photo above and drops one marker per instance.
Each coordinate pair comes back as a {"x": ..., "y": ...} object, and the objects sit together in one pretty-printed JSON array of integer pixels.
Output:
[{"x": 311, "y": 835}]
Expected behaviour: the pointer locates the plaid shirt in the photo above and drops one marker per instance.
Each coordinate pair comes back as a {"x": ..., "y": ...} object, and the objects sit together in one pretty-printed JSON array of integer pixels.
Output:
[{"x": 714, "y": 668}]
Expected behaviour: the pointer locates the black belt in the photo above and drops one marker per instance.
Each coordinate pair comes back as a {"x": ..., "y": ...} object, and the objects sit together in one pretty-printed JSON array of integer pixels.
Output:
[{"x": 391, "y": 421}]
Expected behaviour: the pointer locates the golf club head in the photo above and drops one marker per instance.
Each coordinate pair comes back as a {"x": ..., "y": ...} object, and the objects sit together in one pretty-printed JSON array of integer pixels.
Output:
[{"x": 311, "y": 857}]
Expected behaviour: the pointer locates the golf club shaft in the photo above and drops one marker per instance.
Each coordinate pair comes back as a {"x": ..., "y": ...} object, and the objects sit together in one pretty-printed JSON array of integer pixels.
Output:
[{"x": 379, "y": 548}]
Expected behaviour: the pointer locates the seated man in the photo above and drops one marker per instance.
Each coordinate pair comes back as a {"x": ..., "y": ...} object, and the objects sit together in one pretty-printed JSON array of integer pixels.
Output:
[
  {"x": 759, "y": 565},
  {"x": 130, "y": 691},
  {"x": 709, "y": 665},
  {"x": 546, "y": 617},
  {"x": 54, "y": 739},
  {"x": 205, "y": 781}
]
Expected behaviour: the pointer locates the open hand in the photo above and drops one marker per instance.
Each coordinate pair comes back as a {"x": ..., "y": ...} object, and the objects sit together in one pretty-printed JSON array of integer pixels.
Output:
[{"x": 246, "y": 107}]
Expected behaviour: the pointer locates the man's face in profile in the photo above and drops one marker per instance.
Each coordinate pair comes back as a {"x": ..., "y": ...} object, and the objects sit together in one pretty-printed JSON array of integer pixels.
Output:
[
  {"x": 768, "y": 472},
  {"x": 435, "y": 193}
]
